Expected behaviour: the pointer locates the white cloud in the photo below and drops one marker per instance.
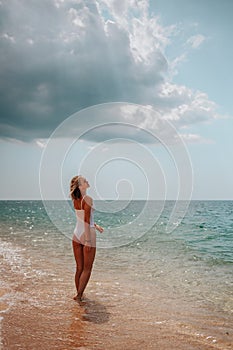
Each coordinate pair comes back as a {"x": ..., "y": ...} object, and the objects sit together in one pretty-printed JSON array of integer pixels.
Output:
[
  {"x": 147, "y": 37},
  {"x": 175, "y": 63},
  {"x": 195, "y": 41},
  {"x": 195, "y": 138},
  {"x": 30, "y": 41},
  {"x": 183, "y": 106},
  {"x": 144, "y": 124},
  {"x": 8, "y": 37},
  {"x": 41, "y": 143}
]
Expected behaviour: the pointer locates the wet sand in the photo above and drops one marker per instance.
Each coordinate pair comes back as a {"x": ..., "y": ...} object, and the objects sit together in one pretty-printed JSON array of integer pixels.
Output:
[
  {"x": 121, "y": 311},
  {"x": 115, "y": 315}
]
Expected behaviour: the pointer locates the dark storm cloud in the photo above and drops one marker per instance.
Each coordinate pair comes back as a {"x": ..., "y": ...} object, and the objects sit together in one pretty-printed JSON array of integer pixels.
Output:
[
  {"x": 58, "y": 57},
  {"x": 55, "y": 60}
]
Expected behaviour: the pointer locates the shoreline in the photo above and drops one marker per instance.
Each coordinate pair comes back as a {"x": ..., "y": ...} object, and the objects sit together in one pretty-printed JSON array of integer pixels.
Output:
[{"x": 115, "y": 315}]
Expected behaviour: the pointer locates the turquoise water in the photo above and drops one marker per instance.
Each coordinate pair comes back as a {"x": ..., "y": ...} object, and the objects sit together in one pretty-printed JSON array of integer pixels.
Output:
[
  {"x": 206, "y": 230},
  {"x": 194, "y": 261}
]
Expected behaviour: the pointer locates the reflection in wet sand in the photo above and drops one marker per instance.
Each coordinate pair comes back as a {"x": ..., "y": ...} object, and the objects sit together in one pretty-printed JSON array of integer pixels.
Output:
[
  {"x": 61, "y": 327},
  {"x": 94, "y": 311},
  {"x": 76, "y": 331},
  {"x": 82, "y": 316}
]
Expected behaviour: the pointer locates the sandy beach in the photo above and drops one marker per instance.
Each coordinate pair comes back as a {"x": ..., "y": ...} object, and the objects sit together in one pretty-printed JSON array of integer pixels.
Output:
[{"x": 110, "y": 317}]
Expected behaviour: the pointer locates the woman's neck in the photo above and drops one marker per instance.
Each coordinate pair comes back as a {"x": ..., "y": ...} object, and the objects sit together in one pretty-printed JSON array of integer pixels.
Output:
[{"x": 83, "y": 193}]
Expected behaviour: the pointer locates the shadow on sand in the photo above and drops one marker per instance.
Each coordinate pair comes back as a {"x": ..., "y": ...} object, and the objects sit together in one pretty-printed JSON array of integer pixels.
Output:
[
  {"x": 81, "y": 314},
  {"x": 94, "y": 311}
]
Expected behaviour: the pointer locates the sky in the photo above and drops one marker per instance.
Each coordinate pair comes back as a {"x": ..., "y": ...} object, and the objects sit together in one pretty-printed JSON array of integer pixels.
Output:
[{"x": 134, "y": 95}]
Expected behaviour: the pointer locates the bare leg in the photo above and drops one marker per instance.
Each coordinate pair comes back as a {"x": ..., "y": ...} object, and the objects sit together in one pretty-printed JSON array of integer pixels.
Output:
[
  {"x": 79, "y": 258},
  {"x": 89, "y": 256}
]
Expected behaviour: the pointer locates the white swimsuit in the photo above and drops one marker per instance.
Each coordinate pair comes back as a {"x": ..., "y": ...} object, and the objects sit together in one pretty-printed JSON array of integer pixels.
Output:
[{"x": 80, "y": 224}]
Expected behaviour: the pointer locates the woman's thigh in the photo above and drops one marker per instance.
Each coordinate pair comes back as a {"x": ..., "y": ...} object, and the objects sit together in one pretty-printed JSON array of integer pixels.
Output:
[
  {"x": 78, "y": 254},
  {"x": 93, "y": 236},
  {"x": 89, "y": 257}
]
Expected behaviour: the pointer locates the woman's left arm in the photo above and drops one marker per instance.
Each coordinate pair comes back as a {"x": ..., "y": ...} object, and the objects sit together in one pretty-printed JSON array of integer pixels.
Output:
[{"x": 99, "y": 228}]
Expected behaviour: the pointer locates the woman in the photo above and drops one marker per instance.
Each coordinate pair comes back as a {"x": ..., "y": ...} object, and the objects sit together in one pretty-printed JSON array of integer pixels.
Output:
[{"x": 84, "y": 239}]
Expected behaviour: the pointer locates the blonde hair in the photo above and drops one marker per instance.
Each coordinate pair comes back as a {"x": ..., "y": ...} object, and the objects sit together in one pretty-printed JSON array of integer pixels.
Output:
[{"x": 74, "y": 187}]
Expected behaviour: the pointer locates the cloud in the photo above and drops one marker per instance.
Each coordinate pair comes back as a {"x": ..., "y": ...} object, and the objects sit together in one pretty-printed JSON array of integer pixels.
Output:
[
  {"x": 127, "y": 122},
  {"x": 192, "y": 43},
  {"x": 59, "y": 57},
  {"x": 194, "y": 138},
  {"x": 184, "y": 107},
  {"x": 196, "y": 40},
  {"x": 41, "y": 143}
]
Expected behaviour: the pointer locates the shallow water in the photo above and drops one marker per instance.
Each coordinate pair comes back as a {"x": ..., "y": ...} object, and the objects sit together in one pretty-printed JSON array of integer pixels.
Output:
[{"x": 176, "y": 285}]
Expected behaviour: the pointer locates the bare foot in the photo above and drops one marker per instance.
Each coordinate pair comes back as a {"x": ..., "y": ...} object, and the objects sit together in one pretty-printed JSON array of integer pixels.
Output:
[{"x": 79, "y": 297}]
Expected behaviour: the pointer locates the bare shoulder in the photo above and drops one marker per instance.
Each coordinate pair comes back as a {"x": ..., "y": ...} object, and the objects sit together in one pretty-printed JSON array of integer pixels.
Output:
[
  {"x": 76, "y": 203},
  {"x": 88, "y": 200}
]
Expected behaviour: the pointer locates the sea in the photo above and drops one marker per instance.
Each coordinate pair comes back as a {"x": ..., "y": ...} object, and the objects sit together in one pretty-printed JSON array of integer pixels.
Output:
[{"x": 157, "y": 282}]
